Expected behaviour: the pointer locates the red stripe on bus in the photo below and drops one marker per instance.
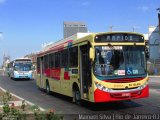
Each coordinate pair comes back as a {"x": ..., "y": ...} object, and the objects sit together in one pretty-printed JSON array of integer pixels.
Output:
[
  {"x": 58, "y": 47},
  {"x": 55, "y": 73},
  {"x": 62, "y": 43},
  {"x": 66, "y": 76},
  {"x": 55, "y": 49},
  {"x": 47, "y": 72}
]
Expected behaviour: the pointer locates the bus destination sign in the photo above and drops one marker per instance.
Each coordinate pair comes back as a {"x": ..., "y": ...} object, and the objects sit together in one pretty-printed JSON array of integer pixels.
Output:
[{"x": 119, "y": 38}]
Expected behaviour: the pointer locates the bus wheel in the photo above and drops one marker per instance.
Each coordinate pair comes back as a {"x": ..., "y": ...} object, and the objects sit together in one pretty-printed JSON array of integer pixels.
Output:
[
  {"x": 47, "y": 88},
  {"x": 77, "y": 97}
]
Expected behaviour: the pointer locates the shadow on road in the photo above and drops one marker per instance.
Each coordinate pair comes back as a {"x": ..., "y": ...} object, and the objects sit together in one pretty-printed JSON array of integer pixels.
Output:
[
  {"x": 16, "y": 79},
  {"x": 110, "y": 105},
  {"x": 98, "y": 106},
  {"x": 22, "y": 79}
]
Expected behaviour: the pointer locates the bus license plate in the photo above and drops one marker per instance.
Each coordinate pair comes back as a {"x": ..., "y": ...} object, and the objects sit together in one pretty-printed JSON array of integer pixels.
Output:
[{"x": 126, "y": 94}]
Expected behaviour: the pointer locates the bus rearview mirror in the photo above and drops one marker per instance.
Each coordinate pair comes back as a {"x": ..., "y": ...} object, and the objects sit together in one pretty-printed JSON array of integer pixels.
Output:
[{"x": 92, "y": 53}]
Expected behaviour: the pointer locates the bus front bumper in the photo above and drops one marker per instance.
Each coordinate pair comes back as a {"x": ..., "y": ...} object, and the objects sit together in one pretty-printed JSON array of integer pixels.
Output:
[
  {"x": 27, "y": 76},
  {"x": 101, "y": 96}
]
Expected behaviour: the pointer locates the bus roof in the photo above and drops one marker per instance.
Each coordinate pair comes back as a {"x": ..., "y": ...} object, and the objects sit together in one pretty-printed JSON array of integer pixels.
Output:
[
  {"x": 58, "y": 45},
  {"x": 66, "y": 40},
  {"x": 22, "y": 59}
]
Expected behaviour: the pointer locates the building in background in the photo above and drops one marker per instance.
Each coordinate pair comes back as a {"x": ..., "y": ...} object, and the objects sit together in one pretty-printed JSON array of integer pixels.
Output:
[
  {"x": 71, "y": 28},
  {"x": 154, "y": 48},
  {"x": 154, "y": 41},
  {"x": 154, "y": 44}
]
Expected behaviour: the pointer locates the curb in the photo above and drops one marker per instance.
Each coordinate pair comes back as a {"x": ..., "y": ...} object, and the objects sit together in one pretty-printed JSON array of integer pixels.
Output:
[{"x": 28, "y": 102}]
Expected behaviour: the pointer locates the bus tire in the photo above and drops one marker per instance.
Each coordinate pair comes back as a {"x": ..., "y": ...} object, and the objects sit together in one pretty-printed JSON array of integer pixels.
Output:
[
  {"x": 12, "y": 78},
  {"x": 76, "y": 96},
  {"x": 48, "y": 88}
]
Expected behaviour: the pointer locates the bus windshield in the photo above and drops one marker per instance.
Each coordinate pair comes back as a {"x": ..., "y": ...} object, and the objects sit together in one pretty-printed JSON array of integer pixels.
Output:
[
  {"x": 118, "y": 61},
  {"x": 22, "y": 66}
]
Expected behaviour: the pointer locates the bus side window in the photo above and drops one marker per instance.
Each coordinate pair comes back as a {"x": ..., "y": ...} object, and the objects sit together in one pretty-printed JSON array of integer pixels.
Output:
[
  {"x": 38, "y": 63},
  {"x": 57, "y": 60},
  {"x": 73, "y": 57},
  {"x": 46, "y": 62},
  {"x": 51, "y": 60},
  {"x": 64, "y": 58}
]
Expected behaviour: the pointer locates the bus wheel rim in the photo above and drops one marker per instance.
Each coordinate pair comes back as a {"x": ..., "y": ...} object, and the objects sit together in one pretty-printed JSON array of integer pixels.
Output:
[
  {"x": 47, "y": 88},
  {"x": 77, "y": 95}
]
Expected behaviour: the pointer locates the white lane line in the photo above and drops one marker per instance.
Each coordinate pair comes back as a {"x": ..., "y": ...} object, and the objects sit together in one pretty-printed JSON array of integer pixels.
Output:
[{"x": 28, "y": 102}]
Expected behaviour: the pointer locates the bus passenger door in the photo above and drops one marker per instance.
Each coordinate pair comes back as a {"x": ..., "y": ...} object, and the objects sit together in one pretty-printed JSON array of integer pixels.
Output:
[
  {"x": 85, "y": 71},
  {"x": 41, "y": 71}
]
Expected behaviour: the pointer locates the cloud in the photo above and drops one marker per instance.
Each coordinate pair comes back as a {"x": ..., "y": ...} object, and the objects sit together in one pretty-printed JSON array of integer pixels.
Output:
[
  {"x": 86, "y": 3},
  {"x": 2, "y": 1},
  {"x": 144, "y": 8},
  {"x": 1, "y": 36}
]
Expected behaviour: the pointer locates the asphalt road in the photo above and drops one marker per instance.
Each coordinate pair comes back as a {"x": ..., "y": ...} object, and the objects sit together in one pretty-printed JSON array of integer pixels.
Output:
[{"x": 27, "y": 89}]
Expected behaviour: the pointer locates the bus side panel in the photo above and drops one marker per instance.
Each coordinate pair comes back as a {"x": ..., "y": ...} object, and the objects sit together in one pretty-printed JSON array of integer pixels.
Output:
[
  {"x": 38, "y": 80},
  {"x": 54, "y": 80},
  {"x": 54, "y": 85},
  {"x": 63, "y": 83},
  {"x": 66, "y": 82}
]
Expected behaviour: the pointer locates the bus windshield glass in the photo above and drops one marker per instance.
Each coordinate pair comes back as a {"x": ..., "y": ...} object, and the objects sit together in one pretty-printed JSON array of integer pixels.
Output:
[
  {"x": 22, "y": 66},
  {"x": 118, "y": 61}
]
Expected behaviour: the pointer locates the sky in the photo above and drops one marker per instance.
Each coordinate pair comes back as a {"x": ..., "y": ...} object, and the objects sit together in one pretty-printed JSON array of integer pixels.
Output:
[{"x": 27, "y": 24}]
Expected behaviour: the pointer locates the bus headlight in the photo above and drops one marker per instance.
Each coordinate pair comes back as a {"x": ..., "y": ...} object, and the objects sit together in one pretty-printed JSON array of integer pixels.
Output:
[
  {"x": 30, "y": 72},
  {"x": 101, "y": 87},
  {"x": 144, "y": 85},
  {"x": 16, "y": 72}
]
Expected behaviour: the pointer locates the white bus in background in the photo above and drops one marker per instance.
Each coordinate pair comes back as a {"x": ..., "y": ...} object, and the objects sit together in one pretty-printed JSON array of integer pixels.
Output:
[{"x": 21, "y": 68}]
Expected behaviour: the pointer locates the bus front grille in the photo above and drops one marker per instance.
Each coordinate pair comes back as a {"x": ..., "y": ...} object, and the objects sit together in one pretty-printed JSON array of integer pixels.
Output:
[{"x": 124, "y": 80}]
